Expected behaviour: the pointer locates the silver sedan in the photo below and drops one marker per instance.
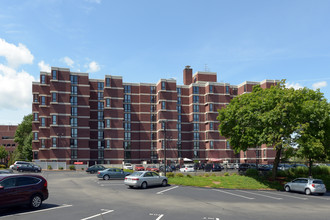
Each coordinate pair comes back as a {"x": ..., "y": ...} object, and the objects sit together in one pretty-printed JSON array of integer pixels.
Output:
[
  {"x": 306, "y": 185},
  {"x": 144, "y": 179}
]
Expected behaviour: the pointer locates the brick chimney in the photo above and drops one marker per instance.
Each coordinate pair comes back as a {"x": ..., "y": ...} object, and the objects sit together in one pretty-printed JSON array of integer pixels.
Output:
[{"x": 187, "y": 75}]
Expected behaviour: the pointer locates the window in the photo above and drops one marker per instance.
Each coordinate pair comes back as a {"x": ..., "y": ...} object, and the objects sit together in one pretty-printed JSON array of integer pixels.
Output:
[
  {"x": 127, "y": 117},
  {"x": 179, "y": 109},
  {"x": 127, "y": 135},
  {"x": 53, "y": 142},
  {"x": 179, "y": 127},
  {"x": 43, "y": 79},
  {"x": 152, "y": 89},
  {"x": 108, "y": 143},
  {"x": 74, "y": 100},
  {"x": 211, "y": 125},
  {"x": 227, "y": 145},
  {"x": 211, "y": 88},
  {"x": 127, "y": 98},
  {"x": 153, "y": 117},
  {"x": 100, "y": 85},
  {"x": 74, "y": 122},
  {"x": 127, "y": 126},
  {"x": 211, "y": 145},
  {"x": 100, "y": 135},
  {"x": 74, "y": 90},
  {"x": 54, "y": 97},
  {"x": 73, "y": 143},
  {"x": 264, "y": 153},
  {"x": 163, "y": 125},
  {"x": 179, "y": 118},
  {"x": 227, "y": 89},
  {"x": 74, "y": 132},
  {"x": 35, "y": 116},
  {"x": 127, "y": 107},
  {"x": 163, "y": 85},
  {"x": 196, "y": 108},
  {"x": 43, "y": 145},
  {"x": 73, "y": 153},
  {"x": 100, "y": 154},
  {"x": 54, "y": 74},
  {"x": 35, "y": 136},
  {"x": 99, "y": 95},
  {"x": 43, "y": 100},
  {"x": 108, "y": 123},
  {"x": 245, "y": 88},
  {"x": 196, "y": 126},
  {"x": 211, "y": 107},
  {"x": 107, "y": 82},
  {"x": 100, "y": 125},
  {"x": 152, "y": 108},
  {"x": 74, "y": 111},
  {"x": 127, "y": 89},
  {"x": 196, "y": 99},
  {"x": 196, "y": 136},
  {"x": 178, "y": 90},
  {"x": 127, "y": 145},
  {"x": 178, "y": 101},
  {"x": 195, "y": 90},
  {"x": 100, "y": 105},
  {"x": 74, "y": 79},
  {"x": 43, "y": 122},
  {"x": 100, "y": 144},
  {"x": 100, "y": 115},
  {"x": 35, "y": 97},
  {"x": 152, "y": 99},
  {"x": 163, "y": 105},
  {"x": 195, "y": 117},
  {"x": 107, "y": 102}
]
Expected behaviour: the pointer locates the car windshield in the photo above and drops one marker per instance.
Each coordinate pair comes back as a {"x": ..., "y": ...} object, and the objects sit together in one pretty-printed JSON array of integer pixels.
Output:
[
  {"x": 136, "y": 174},
  {"x": 318, "y": 181},
  {"x": 128, "y": 164}
]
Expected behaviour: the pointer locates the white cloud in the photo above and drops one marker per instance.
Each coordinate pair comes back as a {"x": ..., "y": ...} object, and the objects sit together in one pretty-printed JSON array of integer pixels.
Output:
[
  {"x": 15, "y": 55},
  {"x": 93, "y": 67},
  {"x": 15, "y": 88},
  {"x": 319, "y": 85},
  {"x": 294, "y": 85},
  {"x": 44, "y": 67},
  {"x": 68, "y": 61}
]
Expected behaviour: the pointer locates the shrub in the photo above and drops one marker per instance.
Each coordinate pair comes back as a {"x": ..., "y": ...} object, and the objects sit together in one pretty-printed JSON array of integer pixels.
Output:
[
  {"x": 179, "y": 175},
  {"x": 82, "y": 168},
  {"x": 206, "y": 175},
  {"x": 49, "y": 167},
  {"x": 189, "y": 176},
  {"x": 128, "y": 170},
  {"x": 60, "y": 168},
  {"x": 169, "y": 175},
  {"x": 234, "y": 174},
  {"x": 2, "y": 166},
  {"x": 252, "y": 172},
  {"x": 72, "y": 167},
  {"x": 226, "y": 174}
]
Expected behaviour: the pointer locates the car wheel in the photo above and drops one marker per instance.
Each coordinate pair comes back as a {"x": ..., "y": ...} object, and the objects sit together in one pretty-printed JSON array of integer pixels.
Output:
[
  {"x": 35, "y": 201},
  {"x": 164, "y": 183},
  {"x": 36, "y": 171},
  {"x": 144, "y": 185},
  {"x": 287, "y": 188},
  {"x": 307, "y": 191},
  {"x": 92, "y": 172},
  {"x": 106, "y": 177},
  {"x": 321, "y": 194},
  {"x": 131, "y": 187}
]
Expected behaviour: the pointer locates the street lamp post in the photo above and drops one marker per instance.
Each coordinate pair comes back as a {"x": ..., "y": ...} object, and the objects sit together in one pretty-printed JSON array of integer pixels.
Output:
[{"x": 165, "y": 123}]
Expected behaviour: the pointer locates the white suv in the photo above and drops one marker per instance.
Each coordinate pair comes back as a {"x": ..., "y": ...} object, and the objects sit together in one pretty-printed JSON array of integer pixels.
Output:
[
  {"x": 187, "y": 168},
  {"x": 128, "y": 166}
]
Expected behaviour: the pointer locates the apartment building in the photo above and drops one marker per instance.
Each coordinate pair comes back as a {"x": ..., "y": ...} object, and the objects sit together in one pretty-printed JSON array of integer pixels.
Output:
[
  {"x": 77, "y": 119},
  {"x": 7, "y": 134}
]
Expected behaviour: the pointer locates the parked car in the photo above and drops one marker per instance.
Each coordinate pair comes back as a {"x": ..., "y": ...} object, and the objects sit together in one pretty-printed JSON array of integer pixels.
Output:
[
  {"x": 284, "y": 166},
  {"x": 27, "y": 189},
  {"x": 152, "y": 168},
  {"x": 7, "y": 171},
  {"x": 17, "y": 164},
  {"x": 128, "y": 166},
  {"x": 145, "y": 179},
  {"x": 187, "y": 168},
  {"x": 298, "y": 165},
  {"x": 112, "y": 173},
  {"x": 139, "y": 167},
  {"x": 246, "y": 166},
  {"x": 264, "y": 167},
  {"x": 162, "y": 169},
  {"x": 306, "y": 185},
  {"x": 29, "y": 168},
  {"x": 212, "y": 167},
  {"x": 95, "y": 168}
]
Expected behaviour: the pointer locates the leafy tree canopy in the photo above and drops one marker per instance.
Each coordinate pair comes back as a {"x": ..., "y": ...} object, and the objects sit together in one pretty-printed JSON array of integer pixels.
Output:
[{"x": 23, "y": 138}]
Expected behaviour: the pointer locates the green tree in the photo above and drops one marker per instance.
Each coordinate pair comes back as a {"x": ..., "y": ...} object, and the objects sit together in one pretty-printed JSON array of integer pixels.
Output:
[
  {"x": 3, "y": 153},
  {"x": 23, "y": 138},
  {"x": 269, "y": 116}
]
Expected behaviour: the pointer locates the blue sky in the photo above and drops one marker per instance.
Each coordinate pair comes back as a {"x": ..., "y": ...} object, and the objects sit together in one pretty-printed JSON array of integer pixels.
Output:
[{"x": 144, "y": 41}]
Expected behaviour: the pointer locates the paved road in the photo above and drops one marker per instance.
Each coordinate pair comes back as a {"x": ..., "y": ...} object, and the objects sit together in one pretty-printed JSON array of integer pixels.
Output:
[{"x": 77, "y": 195}]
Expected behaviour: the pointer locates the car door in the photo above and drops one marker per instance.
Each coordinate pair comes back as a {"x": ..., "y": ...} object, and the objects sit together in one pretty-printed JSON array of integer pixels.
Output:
[
  {"x": 149, "y": 178},
  {"x": 156, "y": 178},
  {"x": 8, "y": 192},
  {"x": 302, "y": 185}
]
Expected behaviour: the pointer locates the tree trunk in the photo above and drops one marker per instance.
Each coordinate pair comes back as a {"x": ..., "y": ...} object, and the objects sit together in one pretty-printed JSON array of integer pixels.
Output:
[
  {"x": 310, "y": 167},
  {"x": 277, "y": 160}
]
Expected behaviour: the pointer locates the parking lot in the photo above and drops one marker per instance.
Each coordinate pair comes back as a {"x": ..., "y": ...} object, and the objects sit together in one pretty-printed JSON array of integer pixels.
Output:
[{"x": 77, "y": 195}]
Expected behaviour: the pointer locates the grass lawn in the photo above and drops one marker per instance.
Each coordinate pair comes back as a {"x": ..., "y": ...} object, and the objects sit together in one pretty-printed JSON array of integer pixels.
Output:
[{"x": 228, "y": 182}]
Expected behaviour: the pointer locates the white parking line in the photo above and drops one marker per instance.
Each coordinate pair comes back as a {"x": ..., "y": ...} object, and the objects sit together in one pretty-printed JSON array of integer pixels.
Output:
[
  {"x": 232, "y": 194},
  {"x": 159, "y": 215},
  {"x": 42, "y": 210},
  {"x": 282, "y": 194},
  {"x": 161, "y": 192},
  {"x": 316, "y": 197},
  {"x": 103, "y": 213},
  {"x": 260, "y": 194}
]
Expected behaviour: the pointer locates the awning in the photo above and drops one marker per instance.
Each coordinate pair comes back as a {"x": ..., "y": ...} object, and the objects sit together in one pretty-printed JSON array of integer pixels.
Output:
[
  {"x": 214, "y": 159},
  {"x": 187, "y": 160}
]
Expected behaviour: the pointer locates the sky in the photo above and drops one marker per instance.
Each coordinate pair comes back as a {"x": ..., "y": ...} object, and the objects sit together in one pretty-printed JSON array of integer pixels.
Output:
[{"x": 148, "y": 40}]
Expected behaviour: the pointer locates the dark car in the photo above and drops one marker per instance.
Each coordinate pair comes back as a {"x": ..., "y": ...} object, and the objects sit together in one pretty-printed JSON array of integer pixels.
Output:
[
  {"x": 162, "y": 169},
  {"x": 17, "y": 189},
  {"x": 95, "y": 169},
  {"x": 29, "y": 168},
  {"x": 264, "y": 167},
  {"x": 112, "y": 173},
  {"x": 212, "y": 167},
  {"x": 246, "y": 166}
]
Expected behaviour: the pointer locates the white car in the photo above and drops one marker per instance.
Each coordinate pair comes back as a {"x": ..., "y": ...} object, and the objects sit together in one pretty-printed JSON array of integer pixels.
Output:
[
  {"x": 128, "y": 166},
  {"x": 187, "y": 168}
]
